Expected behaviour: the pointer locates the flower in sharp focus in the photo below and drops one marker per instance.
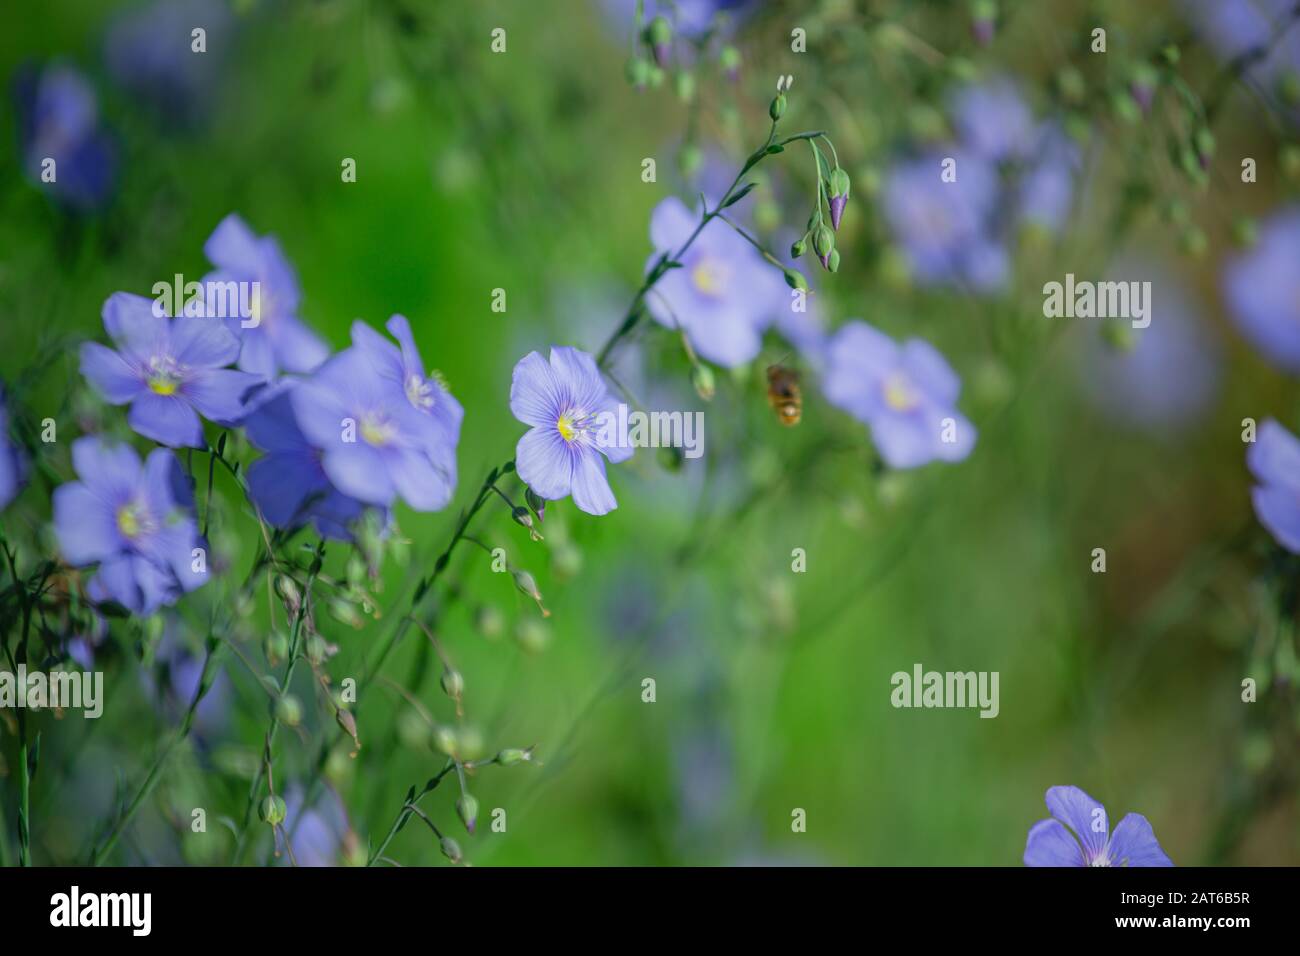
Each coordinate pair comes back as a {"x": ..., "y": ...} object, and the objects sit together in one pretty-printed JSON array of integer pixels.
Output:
[
  {"x": 569, "y": 407},
  {"x": 374, "y": 443},
  {"x": 273, "y": 338},
  {"x": 442, "y": 413},
  {"x": 12, "y": 466},
  {"x": 723, "y": 296},
  {"x": 134, "y": 520},
  {"x": 946, "y": 229},
  {"x": 288, "y": 483},
  {"x": 1274, "y": 460},
  {"x": 906, "y": 394},
  {"x": 58, "y": 114},
  {"x": 170, "y": 371},
  {"x": 1262, "y": 289},
  {"x": 1079, "y": 835}
]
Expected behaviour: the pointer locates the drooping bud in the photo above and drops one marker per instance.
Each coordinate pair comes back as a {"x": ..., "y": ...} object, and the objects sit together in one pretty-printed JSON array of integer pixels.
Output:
[
  {"x": 702, "y": 379},
  {"x": 451, "y": 849},
  {"x": 823, "y": 244},
  {"x": 729, "y": 60},
  {"x": 467, "y": 810},
  {"x": 839, "y": 193},
  {"x": 536, "y": 502},
  {"x": 983, "y": 21},
  {"x": 444, "y": 739},
  {"x": 287, "y": 589},
  {"x": 795, "y": 280},
  {"x": 527, "y": 585},
  {"x": 276, "y": 647},
  {"x": 524, "y": 517},
  {"x": 512, "y": 755},
  {"x": 1142, "y": 86},
  {"x": 659, "y": 35},
  {"x": 638, "y": 72},
  {"x": 833, "y": 261},
  {"x": 777, "y": 109},
  {"x": 288, "y": 710},
  {"x": 798, "y": 247},
  {"x": 453, "y": 683},
  {"x": 272, "y": 810}
]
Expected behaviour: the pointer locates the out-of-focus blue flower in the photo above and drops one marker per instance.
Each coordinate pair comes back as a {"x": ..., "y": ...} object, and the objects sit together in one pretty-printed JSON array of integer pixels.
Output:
[
  {"x": 174, "y": 680},
  {"x": 1079, "y": 835},
  {"x": 906, "y": 394},
  {"x": 275, "y": 339},
  {"x": 1170, "y": 374},
  {"x": 1274, "y": 460},
  {"x": 442, "y": 413},
  {"x": 58, "y": 119},
  {"x": 149, "y": 53},
  {"x": 567, "y": 404},
  {"x": 288, "y": 483},
  {"x": 169, "y": 370},
  {"x": 947, "y": 229},
  {"x": 723, "y": 296},
  {"x": 12, "y": 466},
  {"x": 1047, "y": 186},
  {"x": 1234, "y": 28},
  {"x": 374, "y": 443},
  {"x": 135, "y": 521},
  {"x": 1262, "y": 289},
  {"x": 319, "y": 835},
  {"x": 993, "y": 120}
]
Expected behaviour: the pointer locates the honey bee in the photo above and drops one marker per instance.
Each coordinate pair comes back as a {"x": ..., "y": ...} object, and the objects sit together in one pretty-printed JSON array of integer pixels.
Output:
[{"x": 784, "y": 394}]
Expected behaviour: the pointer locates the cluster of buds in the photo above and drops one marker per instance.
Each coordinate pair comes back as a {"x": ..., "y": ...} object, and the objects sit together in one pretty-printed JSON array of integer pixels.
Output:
[{"x": 835, "y": 191}]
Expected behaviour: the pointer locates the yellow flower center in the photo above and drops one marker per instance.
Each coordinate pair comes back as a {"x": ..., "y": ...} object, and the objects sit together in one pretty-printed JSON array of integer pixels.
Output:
[
  {"x": 568, "y": 430},
  {"x": 131, "y": 520},
  {"x": 709, "y": 277},
  {"x": 898, "y": 394},
  {"x": 376, "y": 431},
  {"x": 164, "y": 375}
]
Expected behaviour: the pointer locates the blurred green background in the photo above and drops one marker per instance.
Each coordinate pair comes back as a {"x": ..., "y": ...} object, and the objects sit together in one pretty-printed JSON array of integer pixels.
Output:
[{"x": 522, "y": 171}]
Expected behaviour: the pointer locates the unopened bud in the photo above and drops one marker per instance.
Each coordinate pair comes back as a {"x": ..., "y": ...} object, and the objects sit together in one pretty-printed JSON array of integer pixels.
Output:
[
  {"x": 795, "y": 280},
  {"x": 453, "y": 683},
  {"x": 467, "y": 810},
  {"x": 729, "y": 60},
  {"x": 638, "y": 72},
  {"x": 287, "y": 589},
  {"x": 777, "y": 109},
  {"x": 532, "y": 635},
  {"x": 659, "y": 35},
  {"x": 511, "y": 756},
  {"x": 833, "y": 261},
  {"x": 489, "y": 620},
  {"x": 527, "y": 584},
  {"x": 444, "y": 739},
  {"x": 702, "y": 379},
  {"x": 451, "y": 849},
  {"x": 536, "y": 502},
  {"x": 276, "y": 647},
  {"x": 272, "y": 810},
  {"x": 288, "y": 710},
  {"x": 798, "y": 247}
]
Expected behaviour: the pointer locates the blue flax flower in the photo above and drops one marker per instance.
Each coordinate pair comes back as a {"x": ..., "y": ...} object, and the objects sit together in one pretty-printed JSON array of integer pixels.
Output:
[
  {"x": 1274, "y": 460},
  {"x": 288, "y": 483},
  {"x": 442, "y": 414},
  {"x": 567, "y": 404},
  {"x": 274, "y": 339},
  {"x": 12, "y": 467},
  {"x": 170, "y": 371},
  {"x": 58, "y": 115},
  {"x": 1079, "y": 835},
  {"x": 135, "y": 521},
  {"x": 723, "y": 296},
  {"x": 375, "y": 444},
  {"x": 906, "y": 394},
  {"x": 1262, "y": 289}
]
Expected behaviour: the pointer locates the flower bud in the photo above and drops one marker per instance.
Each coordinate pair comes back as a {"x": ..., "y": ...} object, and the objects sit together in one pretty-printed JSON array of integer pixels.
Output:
[
  {"x": 702, "y": 379},
  {"x": 729, "y": 60},
  {"x": 795, "y": 280},
  {"x": 777, "y": 109},
  {"x": 659, "y": 35},
  {"x": 655, "y": 76},
  {"x": 527, "y": 584},
  {"x": 444, "y": 739},
  {"x": 638, "y": 72},
  {"x": 524, "y": 517},
  {"x": 684, "y": 84},
  {"x": 317, "y": 649},
  {"x": 453, "y": 683},
  {"x": 1142, "y": 87},
  {"x": 798, "y": 247},
  {"x": 511, "y": 756},
  {"x": 467, "y": 810},
  {"x": 839, "y": 193},
  {"x": 489, "y": 621},
  {"x": 271, "y": 810},
  {"x": 276, "y": 647},
  {"x": 344, "y": 611},
  {"x": 451, "y": 849},
  {"x": 984, "y": 18},
  {"x": 536, "y": 502},
  {"x": 288, "y": 710},
  {"x": 287, "y": 589},
  {"x": 532, "y": 635},
  {"x": 833, "y": 261}
]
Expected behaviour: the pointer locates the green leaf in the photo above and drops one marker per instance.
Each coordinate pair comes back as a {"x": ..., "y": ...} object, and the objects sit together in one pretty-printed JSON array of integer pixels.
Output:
[{"x": 739, "y": 194}]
